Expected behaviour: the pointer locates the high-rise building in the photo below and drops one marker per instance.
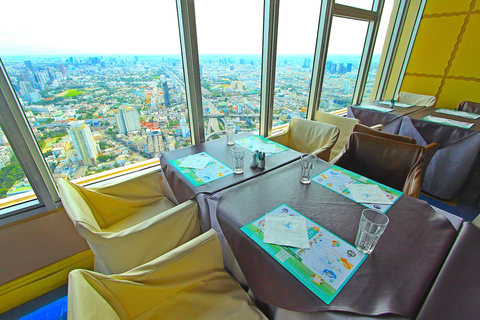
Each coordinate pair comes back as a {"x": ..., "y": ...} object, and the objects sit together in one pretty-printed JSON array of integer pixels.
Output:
[
  {"x": 184, "y": 127},
  {"x": 166, "y": 95},
  {"x": 83, "y": 143},
  {"x": 127, "y": 120}
]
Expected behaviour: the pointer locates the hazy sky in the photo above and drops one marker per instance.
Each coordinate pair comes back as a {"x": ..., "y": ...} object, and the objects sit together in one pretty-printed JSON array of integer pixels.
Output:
[{"x": 150, "y": 27}]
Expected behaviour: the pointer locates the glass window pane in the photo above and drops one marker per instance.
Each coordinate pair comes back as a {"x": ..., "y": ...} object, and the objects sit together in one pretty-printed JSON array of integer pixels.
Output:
[
  {"x": 382, "y": 32},
  {"x": 14, "y": 186},
  {"x": 345, "y": 48},
  {"x": 102, "y": 88},
  {"x": 230, "y": 47},
  {"x": 362, "y": 4},
  {"x": 297, "y": 33}
]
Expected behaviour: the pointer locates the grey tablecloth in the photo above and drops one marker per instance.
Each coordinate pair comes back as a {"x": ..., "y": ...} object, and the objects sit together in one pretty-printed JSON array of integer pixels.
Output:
[
  {"x": 449, "y": 169},
  {"x": 390, "y": 120},
  {"x": 180, "y": 189},
  {"x": 394, "y": 279}
]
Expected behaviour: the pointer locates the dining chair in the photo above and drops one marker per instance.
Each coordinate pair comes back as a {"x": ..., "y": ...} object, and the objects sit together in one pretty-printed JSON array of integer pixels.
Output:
[
  {"x": 469, "y": 106},
  {"x": 430, "y": 149},
  {"x": 345, "y": 125},
  {"x": 308, "y": 136},
  {"x": 368, "y": 130},
  {"x": 188, "y": 282},
  {"x": 416, "y": 99},
  {"x": 396, "y": 164},
  {"x": 128, "y": 222}
]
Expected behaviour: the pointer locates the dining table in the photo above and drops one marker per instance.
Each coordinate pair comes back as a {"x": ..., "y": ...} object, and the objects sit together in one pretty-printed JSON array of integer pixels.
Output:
[
  {"x": 179, "y": 188},
  {"x": 391, "y": 283},
  {"x": 452, "y": 165},
  {"x": 375, "y": 112}
]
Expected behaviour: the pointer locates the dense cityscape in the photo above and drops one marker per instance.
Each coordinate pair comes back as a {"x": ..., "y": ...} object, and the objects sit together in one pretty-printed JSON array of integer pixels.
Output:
[{"x": 91, "y": 114}]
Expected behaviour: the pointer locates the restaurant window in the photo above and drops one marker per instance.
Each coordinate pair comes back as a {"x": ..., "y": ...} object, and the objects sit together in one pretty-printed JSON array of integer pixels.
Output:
[
  {"x": 101, "y": 88},
  {"x": 230, "y": 46},
  {"x": 382, "y": 32},
  {"x": 297, "y": 31},
  {"x": 347, "y": 39}
]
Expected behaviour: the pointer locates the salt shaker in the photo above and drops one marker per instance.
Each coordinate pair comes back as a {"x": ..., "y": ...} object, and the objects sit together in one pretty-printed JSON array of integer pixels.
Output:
[{"x": 253, "y": 162}]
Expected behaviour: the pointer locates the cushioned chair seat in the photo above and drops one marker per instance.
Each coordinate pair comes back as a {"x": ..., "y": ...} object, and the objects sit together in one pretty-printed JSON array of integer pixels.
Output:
[
  {"x": 396, "y": 164},
  {"x": 188, "y": 282},
  {"x": 469, "y": 106},
  {"x": 416, "y": 99},
  {"x": 130, "y": 222},
  {"x": 308, "y": 136}
]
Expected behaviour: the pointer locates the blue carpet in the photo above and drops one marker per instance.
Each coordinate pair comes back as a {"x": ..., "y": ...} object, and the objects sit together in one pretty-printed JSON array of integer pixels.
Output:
[{"x": 57, "y": 310}]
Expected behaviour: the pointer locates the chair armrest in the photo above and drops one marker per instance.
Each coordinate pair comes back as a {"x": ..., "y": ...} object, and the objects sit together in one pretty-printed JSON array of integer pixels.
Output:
[
  {"x": 131, "y": 247},
  {"x": 281, "y": 138}
]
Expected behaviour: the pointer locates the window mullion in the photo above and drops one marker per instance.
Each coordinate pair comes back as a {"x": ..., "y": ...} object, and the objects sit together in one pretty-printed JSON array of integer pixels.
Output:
[
  {"x": 320, "y": 57},
  {"x": 269, "y": 58},
  {"x": 191, "y": 67}
]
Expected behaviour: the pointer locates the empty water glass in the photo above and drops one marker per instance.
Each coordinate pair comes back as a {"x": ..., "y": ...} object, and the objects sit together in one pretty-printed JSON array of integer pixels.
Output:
[
  {"x": 238, "y": 154},
  {"x": 371, "y": 226},
  {"x": 230, "y": 130},
  {"x": 308, "y": 163}
]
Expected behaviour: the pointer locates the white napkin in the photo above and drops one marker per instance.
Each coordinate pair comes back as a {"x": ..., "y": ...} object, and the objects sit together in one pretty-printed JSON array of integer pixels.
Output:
[
  {"x": 286, "y": 231},
  {"x": 368, "y": 193},
  {"x": 195, "y": 162}
]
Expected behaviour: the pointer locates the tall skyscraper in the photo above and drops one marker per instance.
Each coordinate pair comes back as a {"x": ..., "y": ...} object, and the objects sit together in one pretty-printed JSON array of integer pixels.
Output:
[
  {"x": 82, "y": 140},
  {"x": 166, "y": 95},
  {"x": 127, "y": 120}
]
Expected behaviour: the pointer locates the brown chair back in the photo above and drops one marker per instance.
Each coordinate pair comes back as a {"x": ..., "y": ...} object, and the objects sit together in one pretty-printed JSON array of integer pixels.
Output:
[
  {"x": 396, "y": 164},
  {"x": 368, "y": 130},
  {"x": 469, "y": 106}
]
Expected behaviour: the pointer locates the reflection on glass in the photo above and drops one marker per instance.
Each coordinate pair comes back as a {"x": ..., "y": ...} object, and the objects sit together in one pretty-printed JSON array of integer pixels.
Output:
[
  {"x": 382, "y": 31},
  {"x": 230, "y": 47},
  {"x": 13, "y": 182},
  {"x": 103, "y": 101},
  {"x": 347, "y": 39},
  {"x": 297, "y": 31},
  {"x": 362, "y": 4}
]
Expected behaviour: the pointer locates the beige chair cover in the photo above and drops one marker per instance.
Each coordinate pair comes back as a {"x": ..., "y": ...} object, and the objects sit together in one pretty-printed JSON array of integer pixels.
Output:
[
  {"x": 345, "y": 125},
  {"x": 308, "y": 136},
  {"x": 188, "y": 282},
  {"x": 130, "y": 222},
  {"x": 416, "y": 99}
]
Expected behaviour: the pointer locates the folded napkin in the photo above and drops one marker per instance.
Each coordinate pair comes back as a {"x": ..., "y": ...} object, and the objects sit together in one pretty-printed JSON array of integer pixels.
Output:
[
  {"x": 286, "y": 231},
  {"x": 368, "y": 193}
]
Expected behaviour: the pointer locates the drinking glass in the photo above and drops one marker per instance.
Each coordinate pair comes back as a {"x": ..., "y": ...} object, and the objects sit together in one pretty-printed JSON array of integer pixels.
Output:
[
  {"x": 238, "y": 154},
  {"x": 371, "y": 226},
  {"x": 308, "y": 163},
  {"x": 230, "y": 129}
]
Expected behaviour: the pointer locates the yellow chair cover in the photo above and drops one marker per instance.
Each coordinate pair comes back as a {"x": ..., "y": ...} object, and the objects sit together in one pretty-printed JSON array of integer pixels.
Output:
[
  {"x": 416, "y": 99},
  {"x": 345, "y": 125},
  {"x": 188, "y": 282},
  {"x": 130, "y": 222},
  {"x": 308, "y": 136}
]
